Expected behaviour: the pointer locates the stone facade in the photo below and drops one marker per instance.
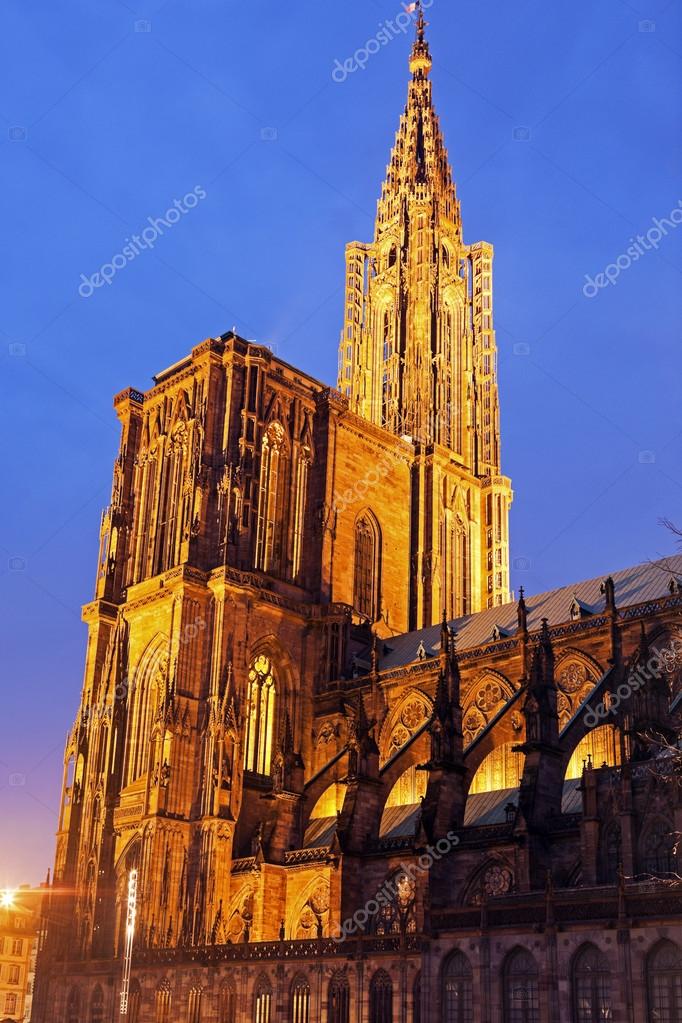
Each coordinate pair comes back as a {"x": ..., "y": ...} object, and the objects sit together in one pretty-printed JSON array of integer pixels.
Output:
[{"x": 331, "y": 816}]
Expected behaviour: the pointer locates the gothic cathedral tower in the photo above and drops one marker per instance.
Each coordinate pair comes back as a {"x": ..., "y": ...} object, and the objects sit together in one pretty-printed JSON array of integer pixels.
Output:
[{"x": 417, "y": 356}]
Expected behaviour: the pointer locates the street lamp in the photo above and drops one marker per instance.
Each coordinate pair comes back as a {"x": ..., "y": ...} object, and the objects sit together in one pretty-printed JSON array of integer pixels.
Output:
[
  {"x": 7, "y": 898},
  {"x": 130, "y": 934}
]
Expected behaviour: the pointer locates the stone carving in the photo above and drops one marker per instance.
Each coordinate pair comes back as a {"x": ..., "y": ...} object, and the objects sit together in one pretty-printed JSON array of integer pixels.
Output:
[
  {"x": 326, "y": 733},
  {"x": 473, "y": 725},
  {"x": 497, "y": 881},
  {"x": 489, "y": 697},
  {"x": 573, "y": 677},
  {"x": 413, "y": 714}
]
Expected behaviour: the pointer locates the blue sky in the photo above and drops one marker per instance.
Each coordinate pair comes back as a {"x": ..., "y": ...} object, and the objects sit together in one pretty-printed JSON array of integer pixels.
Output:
[{"x": 563, "y": 129}]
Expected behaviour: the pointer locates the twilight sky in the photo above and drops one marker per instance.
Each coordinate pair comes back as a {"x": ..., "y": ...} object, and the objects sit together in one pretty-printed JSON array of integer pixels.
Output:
[{"x": 562, "y": 123}]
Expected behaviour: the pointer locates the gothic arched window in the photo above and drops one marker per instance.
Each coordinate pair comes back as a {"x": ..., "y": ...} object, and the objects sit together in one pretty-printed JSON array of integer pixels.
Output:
[
  {"x": 664, "y": 983},
  {"x": 521, "y": 999},
  {"x": 600, "y": 746},
  {"x": 381, "y": 998},
  {"x": 227, "y": 1002},
  {"x": 396, "y": 914},
  {"x": 367, "y": 567},
  {"x": 300, "y": 1000},
  {"x": 591, "y": 986},
  {"x": 73, "y": 1006},
  {"x": 96, "y": 1006},
  {"x": 172, "y": 509},
  {"x": 455, "y": 567},
  {"x": 262, "y": 1001},
  {"x": 194, "y": 1005},
  {"x": 300, "y": 496},
  {"x": 338, "y": 999},
  {"x": 271, "y": 500},
  {"x": 658, "y": 850},
  {"x": 163, "y": 1003},
  {"x": 501, "y": 769},
  {"x": 260, "y": 716},
  {"x": 457, "y": 991},
  {"x": 149, "y": 684},
  {"x": 134, "y": 999},
  {"x": 462, "y": 569}
]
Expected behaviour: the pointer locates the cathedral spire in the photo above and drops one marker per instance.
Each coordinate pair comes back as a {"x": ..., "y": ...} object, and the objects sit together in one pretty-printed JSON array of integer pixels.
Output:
[
  {"x": 417, "y": 356},
  {"x": 420, "y": 58}
]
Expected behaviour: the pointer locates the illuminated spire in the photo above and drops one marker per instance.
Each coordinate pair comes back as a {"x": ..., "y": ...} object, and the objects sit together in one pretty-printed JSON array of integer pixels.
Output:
[
  {"x": 417, "y": 357},
  {"x": 420, "y": 58}
]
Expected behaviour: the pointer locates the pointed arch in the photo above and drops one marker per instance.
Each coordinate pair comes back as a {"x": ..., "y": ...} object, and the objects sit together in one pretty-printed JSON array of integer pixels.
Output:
[
  {"x": 300, "y": 499},
  {"x": 134, "y": 1001},
  {"x": 163, "y": 1002},
  {"x": 194, "y": 1001},
  {"x": 227, "y": 1001},
  {"x": 590, "y": 985},
  {"x": 299, "y": 999},
  {"x": 601, "y": 746},
  {"x": 262, "y": 1000},
  {"x": 96, "y": 1013},
  {"x": 397, "y": 911},
  {"x": 260, "y": 715},
  {"x": 488, "y": 693},
  {"x": 455, "y": 559},
  {"x": 240, "y": 915},
  {"x": 271, "y": 499},
  {"x": 309, "y": 916},
  {"x": 330, "y": 802},
  {"x": 500, "y": 769},
  {"x": 150, "y": 676},
  {"x": 457, "y": 989},
  {"x": 410, "y": 713},
  {"x": 576, "y": 676},
  {"x": 493, "y": 879},
  {"x": 338, "y": 998},
  {"x": 381, "y": 998},
  {"x": 664, "y": 982},
  {"x": 367, "y": 566},
  {"x": 408, "y": 789},
  {"x": 73, "y": 1006},
  {"x": 521, "y": 987}
]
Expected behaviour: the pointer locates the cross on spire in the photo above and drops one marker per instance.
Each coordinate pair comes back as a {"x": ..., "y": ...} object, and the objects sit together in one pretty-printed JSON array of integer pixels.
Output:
[{"x": 420, "y": 58}]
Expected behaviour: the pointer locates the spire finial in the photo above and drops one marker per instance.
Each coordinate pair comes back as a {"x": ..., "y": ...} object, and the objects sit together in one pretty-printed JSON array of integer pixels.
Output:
[
  {"x": 420, "y": 58},
  {"x": 421, "y": 24}
]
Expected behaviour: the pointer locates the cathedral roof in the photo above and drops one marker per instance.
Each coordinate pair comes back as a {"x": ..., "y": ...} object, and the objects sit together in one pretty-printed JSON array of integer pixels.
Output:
[{"x": 636, "y": 585}]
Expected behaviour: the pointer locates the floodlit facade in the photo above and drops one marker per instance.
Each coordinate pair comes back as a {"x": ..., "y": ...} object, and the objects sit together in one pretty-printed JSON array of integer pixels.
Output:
[{"x": 340, "y": 805}]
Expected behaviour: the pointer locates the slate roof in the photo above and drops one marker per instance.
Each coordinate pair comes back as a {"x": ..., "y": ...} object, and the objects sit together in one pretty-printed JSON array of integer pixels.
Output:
[
  {"x": 489, "y": 807},
  {"x": 482, "y": 808},
  {"x": 320, "y": 832},
  {"x": 635, "y": 585},
  {"x": 400, "y": 821}
]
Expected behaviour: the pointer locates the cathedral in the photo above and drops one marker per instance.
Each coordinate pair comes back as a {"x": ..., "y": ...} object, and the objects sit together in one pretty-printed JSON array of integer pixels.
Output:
[{"x": 325, "y": 769}]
